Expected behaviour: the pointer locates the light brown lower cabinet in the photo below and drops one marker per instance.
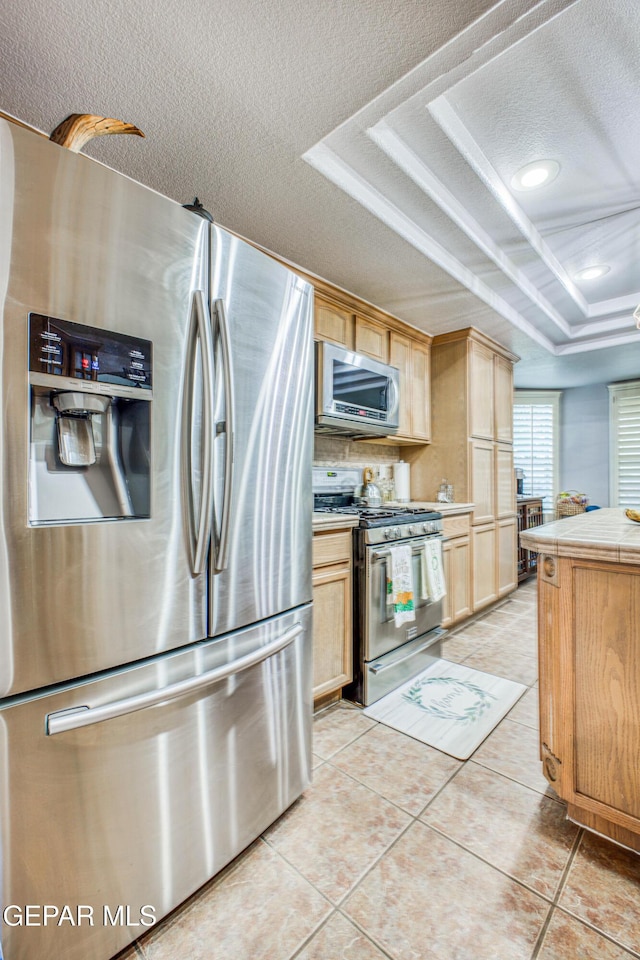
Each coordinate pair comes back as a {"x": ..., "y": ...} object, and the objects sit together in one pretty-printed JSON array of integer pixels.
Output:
[
  {"x": 332, "y": 630},
  {"x": 484, "y": 565},
  {"x": 589, "y": 636},
  {"x": 456, "y": 556},
  {"x": 506, "y": 559}
]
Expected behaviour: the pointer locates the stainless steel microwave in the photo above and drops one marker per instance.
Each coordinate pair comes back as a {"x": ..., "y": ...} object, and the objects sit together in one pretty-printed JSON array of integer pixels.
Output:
[{"x": 355, "y": 395}]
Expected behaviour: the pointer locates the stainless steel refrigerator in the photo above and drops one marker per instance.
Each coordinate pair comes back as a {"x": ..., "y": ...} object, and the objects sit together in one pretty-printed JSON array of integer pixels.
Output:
[{"x": 155, "y": 550}]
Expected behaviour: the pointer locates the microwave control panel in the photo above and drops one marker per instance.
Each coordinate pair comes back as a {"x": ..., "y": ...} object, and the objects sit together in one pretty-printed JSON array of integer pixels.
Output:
[{"x": 359, "y": 412}]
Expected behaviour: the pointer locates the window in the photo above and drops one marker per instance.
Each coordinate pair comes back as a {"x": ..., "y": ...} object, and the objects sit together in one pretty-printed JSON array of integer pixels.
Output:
[
  {"x": 536, "y": 433},
  {"x": 624, "y": 433}
]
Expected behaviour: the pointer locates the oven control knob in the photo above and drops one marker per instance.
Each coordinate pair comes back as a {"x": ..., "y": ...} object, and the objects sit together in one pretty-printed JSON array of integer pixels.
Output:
[
  {"x": 396, "y": 532},
  {"x": 426, "y": 528},
  {"x": 411, "y": 531},
  {"x": 388, "y": 533}
]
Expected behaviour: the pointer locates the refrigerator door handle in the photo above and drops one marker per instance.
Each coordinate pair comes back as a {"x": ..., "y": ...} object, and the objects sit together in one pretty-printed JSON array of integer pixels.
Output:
[
  {"x": 222, "y": 557},
  {"x": 199, "y": 529},
  {"x": 71, "y": 719}
]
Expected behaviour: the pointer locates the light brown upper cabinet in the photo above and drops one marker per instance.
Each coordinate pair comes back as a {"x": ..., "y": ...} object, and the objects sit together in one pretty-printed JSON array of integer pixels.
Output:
[
  {"x": 412, "y": 358},
  {"x": 503, "y": 397},
  {"x": 481, "y": 391},
  {"x": 334, "y": 324},
  {"x": 372, "y": 339}
]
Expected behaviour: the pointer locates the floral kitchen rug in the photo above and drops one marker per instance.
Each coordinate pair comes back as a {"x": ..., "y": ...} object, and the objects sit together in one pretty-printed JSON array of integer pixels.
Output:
[{"x": 449, "y": 706}]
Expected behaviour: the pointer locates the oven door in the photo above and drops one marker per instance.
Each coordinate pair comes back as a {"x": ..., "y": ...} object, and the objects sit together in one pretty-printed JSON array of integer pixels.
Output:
[{"x": 380, "y": 632}]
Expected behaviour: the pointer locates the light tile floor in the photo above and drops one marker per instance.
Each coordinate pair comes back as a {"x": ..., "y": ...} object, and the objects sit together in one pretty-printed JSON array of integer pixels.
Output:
[{"x": 398, "y": 851}]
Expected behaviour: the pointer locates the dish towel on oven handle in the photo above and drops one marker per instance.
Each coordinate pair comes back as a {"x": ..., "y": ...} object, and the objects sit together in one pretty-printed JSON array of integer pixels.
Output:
[
  {"x": 432, "y": 586},
  {"x": 400, "y": 593}
]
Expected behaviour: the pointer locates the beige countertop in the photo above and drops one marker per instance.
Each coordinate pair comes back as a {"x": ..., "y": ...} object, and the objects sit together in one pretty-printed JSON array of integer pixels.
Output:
[
  {"x": 598, "y": 535},
  {"x": 334, "y": 521},
  {"x": 446, "y": 509}
]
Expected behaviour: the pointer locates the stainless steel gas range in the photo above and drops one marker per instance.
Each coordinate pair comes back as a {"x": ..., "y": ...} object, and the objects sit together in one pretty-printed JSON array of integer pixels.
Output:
[{"x": 385, "y": 655}]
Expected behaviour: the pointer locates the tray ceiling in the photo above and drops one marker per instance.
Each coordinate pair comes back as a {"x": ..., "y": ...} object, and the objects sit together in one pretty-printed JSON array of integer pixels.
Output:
[{"x": 434, "y": 158}]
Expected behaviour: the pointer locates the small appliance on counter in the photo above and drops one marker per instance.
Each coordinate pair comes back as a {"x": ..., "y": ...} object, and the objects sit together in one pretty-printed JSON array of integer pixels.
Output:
[
  {"x": 385, "y": 654},
  {"x": 520, "y": 475}
]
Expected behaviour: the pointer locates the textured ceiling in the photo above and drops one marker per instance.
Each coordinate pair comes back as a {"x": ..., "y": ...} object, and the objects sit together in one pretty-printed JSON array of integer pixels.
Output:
[{"x": 372, "y": 143}]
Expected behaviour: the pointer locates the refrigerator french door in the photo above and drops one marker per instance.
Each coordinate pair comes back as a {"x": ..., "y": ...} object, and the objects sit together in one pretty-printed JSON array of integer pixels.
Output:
[
  {"x": 263, "y": 417},
  {"x": 155, "y": 548},
  {"x": 83, "y": 246}
]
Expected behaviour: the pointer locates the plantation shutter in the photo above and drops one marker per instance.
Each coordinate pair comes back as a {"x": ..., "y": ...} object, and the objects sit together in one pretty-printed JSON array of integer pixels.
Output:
[
  {"x": 535, "y": 443},
  {"x": 624, "y": 406}
]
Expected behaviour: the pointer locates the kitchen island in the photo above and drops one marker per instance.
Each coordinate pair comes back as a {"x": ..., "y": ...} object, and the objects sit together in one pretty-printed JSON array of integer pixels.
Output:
[{"x": 588, "y": 642}]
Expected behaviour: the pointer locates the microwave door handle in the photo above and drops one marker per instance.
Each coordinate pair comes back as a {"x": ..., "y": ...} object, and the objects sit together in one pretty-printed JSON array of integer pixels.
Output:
[
  {"x": 394, "y": 398},
  {"x": 198, "y": 527},
  {"x": 82, "y": 716},
  {"x": 221, "y": 559}
]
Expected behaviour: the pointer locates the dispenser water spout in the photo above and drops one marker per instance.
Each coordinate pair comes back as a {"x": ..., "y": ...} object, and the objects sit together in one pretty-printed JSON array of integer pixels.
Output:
[{"x": 76, "y": 446}]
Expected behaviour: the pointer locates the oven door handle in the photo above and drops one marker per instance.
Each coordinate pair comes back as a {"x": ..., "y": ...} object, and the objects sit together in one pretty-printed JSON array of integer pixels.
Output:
[{"x": 416, "y": 547}]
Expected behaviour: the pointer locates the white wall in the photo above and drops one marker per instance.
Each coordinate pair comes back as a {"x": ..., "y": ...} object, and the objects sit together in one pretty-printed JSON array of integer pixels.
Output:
[{"x": 584, "y": 442}]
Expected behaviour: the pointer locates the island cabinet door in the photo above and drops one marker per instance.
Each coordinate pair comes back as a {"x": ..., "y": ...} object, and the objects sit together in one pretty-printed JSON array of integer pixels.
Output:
[
  {"x": 606, "y": 640},
  {"x": 589, "y": 633}
]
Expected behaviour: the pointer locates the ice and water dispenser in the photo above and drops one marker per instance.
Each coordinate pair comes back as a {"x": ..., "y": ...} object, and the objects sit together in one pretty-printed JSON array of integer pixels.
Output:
[{"x": 91, "y": 395}]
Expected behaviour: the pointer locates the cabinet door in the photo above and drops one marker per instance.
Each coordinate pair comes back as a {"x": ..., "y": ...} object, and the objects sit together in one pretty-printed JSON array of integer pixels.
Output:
[
  {"x": 505, "y": 480},
  {"x": 484, "y": 565},
  {"x": 447, "y": 600},
  {"x": 503, "y": 382},
  {"x": 482, "y": 477},
  {"x": 400, "y": 357},
  {"x": 372, "y": 338},
  {"x": 506, "y": 562},
  {"x": 333, "y": 324},
  {"x": 332, "y": 651},
  {"x": 421, "y": 390},
  {"x": 412, "y": 358},
  {"x": 459, "y": 583},
  {"x": 481, "y": 391}
]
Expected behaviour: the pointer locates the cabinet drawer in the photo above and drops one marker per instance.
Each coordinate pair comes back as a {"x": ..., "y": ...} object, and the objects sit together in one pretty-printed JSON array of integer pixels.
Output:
[
  {"x": 455, "y": 526},
  {"x": 331, "y": 547}
]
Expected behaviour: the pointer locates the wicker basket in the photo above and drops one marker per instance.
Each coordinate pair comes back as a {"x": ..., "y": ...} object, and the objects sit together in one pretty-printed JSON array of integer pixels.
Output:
[{"x": 570, "y": 506}]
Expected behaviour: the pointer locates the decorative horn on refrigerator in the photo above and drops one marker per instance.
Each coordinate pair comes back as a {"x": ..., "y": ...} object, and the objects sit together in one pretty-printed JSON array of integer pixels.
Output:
[
  {"x": 225, "y": 427},
  {"x": 198, "y": 527}
]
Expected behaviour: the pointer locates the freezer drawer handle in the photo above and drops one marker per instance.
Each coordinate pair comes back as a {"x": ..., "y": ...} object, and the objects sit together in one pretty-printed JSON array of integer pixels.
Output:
[{"x": 64, "y": 720}]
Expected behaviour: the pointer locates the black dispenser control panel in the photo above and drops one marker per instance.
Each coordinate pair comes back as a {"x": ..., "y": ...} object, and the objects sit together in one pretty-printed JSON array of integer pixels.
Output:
[{"x": 60, "y": 348}]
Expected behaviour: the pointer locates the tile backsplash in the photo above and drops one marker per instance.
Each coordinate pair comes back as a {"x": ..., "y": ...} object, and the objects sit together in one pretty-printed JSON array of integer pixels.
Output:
[{"x": 342, "y": 452}]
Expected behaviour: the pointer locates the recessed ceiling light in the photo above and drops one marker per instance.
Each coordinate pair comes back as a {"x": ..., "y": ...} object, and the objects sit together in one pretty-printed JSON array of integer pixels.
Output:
[
  {"x": 535, "y": 174},
  {"x": 592, "y": 273}
]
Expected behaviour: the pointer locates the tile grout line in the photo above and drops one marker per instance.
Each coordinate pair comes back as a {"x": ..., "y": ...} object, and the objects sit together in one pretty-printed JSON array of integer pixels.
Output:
[
  {"x": 556, "y": 897},
  {"x": 582, "y": 833}
]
